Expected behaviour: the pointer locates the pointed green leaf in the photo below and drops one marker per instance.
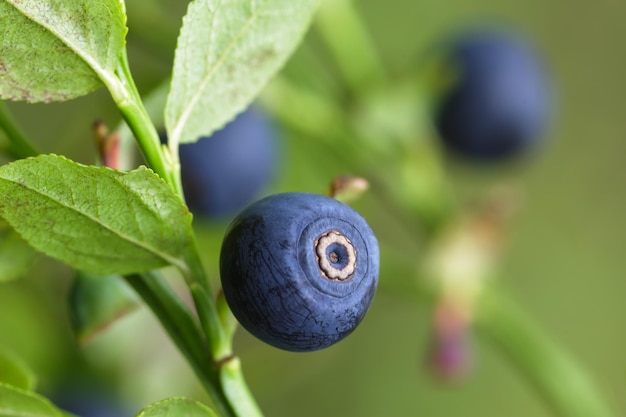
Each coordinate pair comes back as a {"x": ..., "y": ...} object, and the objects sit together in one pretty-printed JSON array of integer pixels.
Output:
[
  {"x": 15, "y": 372},
  {"x": 95, "y": 219},
  {"x": 16, "y": 256},
  {"x": 15, "y": 402},
  {"x": 57, "y": 50},
  {"x": 95, "y": 302},
  {"x": 227, "y": 51},
  {"x": 176, "y": 407}
]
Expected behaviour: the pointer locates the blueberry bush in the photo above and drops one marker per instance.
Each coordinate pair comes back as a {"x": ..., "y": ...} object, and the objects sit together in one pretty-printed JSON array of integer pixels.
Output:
[{"x": 292, "y": 101}]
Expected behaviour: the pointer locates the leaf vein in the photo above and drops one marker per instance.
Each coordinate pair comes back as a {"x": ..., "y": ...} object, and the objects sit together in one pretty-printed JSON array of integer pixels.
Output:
[
  {"x": 187, "y": 110},
  {"x": 149, "y": 248}
]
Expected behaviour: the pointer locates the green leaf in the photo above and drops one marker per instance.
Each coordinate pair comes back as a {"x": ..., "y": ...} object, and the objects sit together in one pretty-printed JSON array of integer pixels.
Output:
[
  {"x": 15, "y": 372},
  {"x": 176, "y": 407},
  {"x": 16, "y": 256},
  {"x": 56, "y": 50},
  {"x": 95, "y": 302},
  {"x": 15, "y": 402},
  {"x": 95, "y": 219},
  {"x": 227, "y": 51}
]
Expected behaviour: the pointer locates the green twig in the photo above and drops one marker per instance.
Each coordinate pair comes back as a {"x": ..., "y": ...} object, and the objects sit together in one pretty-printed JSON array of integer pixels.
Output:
[
  {"x": 19, "y": 145},
  {"x": 154, "y": 103},
  {"x": 182, "y": 328},
  {"x": 176, "y": 318},
  {"x": 555, "y": 375},
  {"x": 128, "y": 100},
  {"x": 206, "y": 353},
  {"x": 231, "y": 379},
  {"x": 349, "y": 42},
  {"x": 222, "y": 379},
  {"x": 204, "y": 301},
  {"x": 194, "y": 274},
  {"x": 236, "y": 389},
  {"x": 219, "y": 343}
]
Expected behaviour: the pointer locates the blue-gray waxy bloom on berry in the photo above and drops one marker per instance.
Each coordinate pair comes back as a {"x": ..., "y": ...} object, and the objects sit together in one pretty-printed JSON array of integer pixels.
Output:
[
  {"x": 299, "y": 270},
  {"x": 500, "y": 101}
]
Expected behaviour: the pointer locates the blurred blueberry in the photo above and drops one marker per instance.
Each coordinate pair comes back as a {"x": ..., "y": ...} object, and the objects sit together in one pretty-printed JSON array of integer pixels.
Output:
[
  {"x": 500, "y": 100},
  {"x": 88, "y": 402},
  {"x": 226, "y": 171}
]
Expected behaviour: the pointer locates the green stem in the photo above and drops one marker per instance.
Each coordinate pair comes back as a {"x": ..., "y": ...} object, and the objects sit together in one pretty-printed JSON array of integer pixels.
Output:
[
  {"x": 219, "y": 339},
  {"x": 179, "y": 324},
  {"x": 222, "y": 379},
  {"x": 154, "y": 103},
  {"x": 236, "y": 389},
  {"x": 176, "y": 318},
  {"x": 211, "y": 362},
  {"x": 219, "y": 343},
  {"x": 349, "y": 42},
  {"x": 128, "y": 100},
  {"x": 19, "y": 144},
  {"x": 559, "y": 379}
]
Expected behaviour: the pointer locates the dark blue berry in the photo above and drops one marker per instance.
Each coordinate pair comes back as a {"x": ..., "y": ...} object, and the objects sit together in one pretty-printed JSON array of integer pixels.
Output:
[
  {"x": 223, "y": 173},
  {"x": 85, "y": 401},
  {"x": 299, "y": 271},
  {"x": 500, "y": 101}
]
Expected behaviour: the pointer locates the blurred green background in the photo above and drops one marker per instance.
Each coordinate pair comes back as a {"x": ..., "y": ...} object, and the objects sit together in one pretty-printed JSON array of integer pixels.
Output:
[{"x": 563, "y": 262}]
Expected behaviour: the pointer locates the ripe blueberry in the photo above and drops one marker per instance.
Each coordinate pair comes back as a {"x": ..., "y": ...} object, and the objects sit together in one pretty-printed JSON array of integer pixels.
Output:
[
  {"x": 500, "y": 101},
  {"x": 226, "y": 171},
  {"x": 299, "y": 270}
]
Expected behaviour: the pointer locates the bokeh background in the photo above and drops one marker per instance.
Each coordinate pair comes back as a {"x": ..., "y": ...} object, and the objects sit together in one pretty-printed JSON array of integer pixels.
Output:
[{"x": 563, "y": 262}]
